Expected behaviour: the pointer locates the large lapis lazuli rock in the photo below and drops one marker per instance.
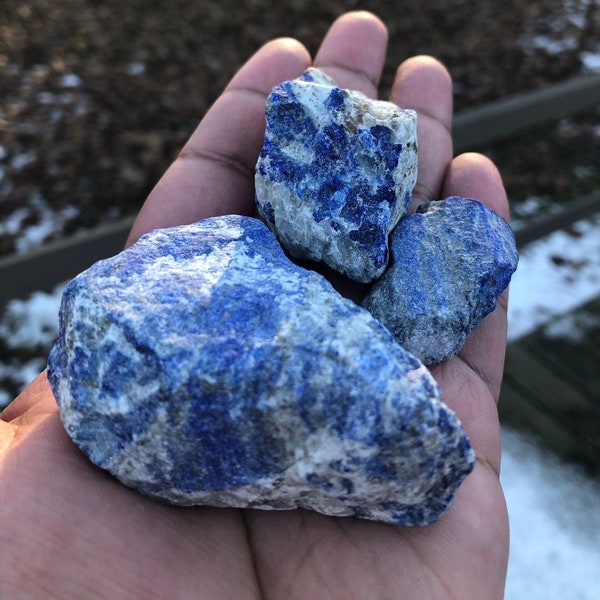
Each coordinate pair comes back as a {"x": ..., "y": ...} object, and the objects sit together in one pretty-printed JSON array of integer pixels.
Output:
[
  {"x": 450, "y": 263},
  {"x": 201, "y": 366},
  {"x": 336, "y": 173}
]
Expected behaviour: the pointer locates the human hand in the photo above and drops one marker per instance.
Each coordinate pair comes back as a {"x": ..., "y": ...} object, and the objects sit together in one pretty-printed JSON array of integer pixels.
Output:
[{"x": 69, "y": 530}]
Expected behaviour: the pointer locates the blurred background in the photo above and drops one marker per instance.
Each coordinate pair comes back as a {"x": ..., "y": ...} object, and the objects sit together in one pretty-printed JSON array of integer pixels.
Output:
[{"x": 97, "y": 97}]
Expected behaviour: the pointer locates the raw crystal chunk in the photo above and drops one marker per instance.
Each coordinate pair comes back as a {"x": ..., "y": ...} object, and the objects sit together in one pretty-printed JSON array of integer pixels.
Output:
[
  {"x": 450, "y": 262},
  {"x": 336, "y": 173},
  {"x": 201, "y": 366}
]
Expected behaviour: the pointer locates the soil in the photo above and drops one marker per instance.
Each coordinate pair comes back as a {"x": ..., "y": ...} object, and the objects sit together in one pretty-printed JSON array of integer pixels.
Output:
[{"x": 97, "y": 97}]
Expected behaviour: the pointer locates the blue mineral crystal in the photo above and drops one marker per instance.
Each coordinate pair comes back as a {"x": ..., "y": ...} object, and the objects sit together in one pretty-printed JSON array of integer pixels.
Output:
[
  {"x": 201, "y": 366},
  {"x": 336, "y": 173},
  {"x": 450, "y": 263}
]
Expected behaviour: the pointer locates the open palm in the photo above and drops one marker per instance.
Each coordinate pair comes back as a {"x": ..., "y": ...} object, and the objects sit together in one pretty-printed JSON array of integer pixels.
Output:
[{"x": 68, "y": 530}]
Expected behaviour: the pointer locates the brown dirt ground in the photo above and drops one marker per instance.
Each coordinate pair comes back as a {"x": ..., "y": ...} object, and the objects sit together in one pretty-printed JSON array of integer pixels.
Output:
[{"x": 100, "y": 145}]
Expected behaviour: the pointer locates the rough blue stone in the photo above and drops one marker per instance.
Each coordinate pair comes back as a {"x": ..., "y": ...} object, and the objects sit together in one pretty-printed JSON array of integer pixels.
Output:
[
  {"x": 336, "y": 173},
  {"x": 450, "y": 263},
  {"x": 201, "y": 366}
]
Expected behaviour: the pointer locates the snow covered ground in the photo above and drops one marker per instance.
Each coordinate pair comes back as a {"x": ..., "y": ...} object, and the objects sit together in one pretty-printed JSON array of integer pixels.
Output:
[
  {"x": 27, "y": 330},
  {"x": 555, "y": 275},
  {"x": 554, "y": 520},
  {"x": 563, "y": 34},
  {"x": 554, "y": 509}
]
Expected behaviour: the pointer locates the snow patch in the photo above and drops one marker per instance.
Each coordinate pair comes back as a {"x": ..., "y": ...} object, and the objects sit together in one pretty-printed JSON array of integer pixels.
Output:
[
  {"x": 20, "y": 161},
  {"x": 555, "y": 517},
  {"x": 573, "y": 327},
  {"x": 555, "y": 275},
  {"x": 591, "y": 61},
  {"x": 70, "y": 80},
  {"x": 135, "y": 68},
  {"x": 46, "y": 222},
  {"x": 532, "y": 207},
  {"x": 32, "y": 323},
  {"x": 28, "y": 328}
]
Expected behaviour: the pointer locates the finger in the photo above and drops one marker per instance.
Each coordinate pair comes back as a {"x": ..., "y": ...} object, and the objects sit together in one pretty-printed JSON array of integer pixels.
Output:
[
  {"x": 474, "y": 397},
  {"x": 353, "y": 52},
  {"x": 37, "y": 395},
  {"x": 214, "y": 174},
  {"x": 474, "y": 176},
  {"x": 423, "y": 84}
]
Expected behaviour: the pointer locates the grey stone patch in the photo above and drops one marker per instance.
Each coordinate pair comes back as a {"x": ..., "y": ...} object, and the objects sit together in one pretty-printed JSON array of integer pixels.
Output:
[
  {"x": 201, "y": 366},
  {"x": 336, "y": 173},
  {"x": 450, "y": 263}
]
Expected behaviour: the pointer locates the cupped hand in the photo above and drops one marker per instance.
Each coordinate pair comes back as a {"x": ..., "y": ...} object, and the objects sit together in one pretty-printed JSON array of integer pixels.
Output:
[{"x": 68, "y": 530}]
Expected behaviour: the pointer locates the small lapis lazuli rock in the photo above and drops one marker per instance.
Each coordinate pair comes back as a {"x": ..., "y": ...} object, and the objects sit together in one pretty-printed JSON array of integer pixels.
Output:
[
  {"x": 450, "y": 263},
  {"x": 201, "y": 366},
  {"x": 336, "y": 173}
]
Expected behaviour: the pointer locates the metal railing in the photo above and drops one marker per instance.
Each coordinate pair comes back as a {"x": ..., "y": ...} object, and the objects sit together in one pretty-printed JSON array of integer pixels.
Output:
[{"x": 46, "y": 266}]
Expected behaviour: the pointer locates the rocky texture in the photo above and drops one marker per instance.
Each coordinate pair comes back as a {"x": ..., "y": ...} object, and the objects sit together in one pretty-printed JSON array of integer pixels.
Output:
[
  {"x": 336, "y": 173},
  {"x": 201, "y": 366},
  {"x": 450, "y": 262}
]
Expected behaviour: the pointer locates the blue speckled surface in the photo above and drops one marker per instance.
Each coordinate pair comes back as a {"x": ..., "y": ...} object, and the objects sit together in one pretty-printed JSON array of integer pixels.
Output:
[
  {"x": 201, "y": 366},
  {"x": 335, "y": 174},
  {"x": 450, "y": 263}
]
